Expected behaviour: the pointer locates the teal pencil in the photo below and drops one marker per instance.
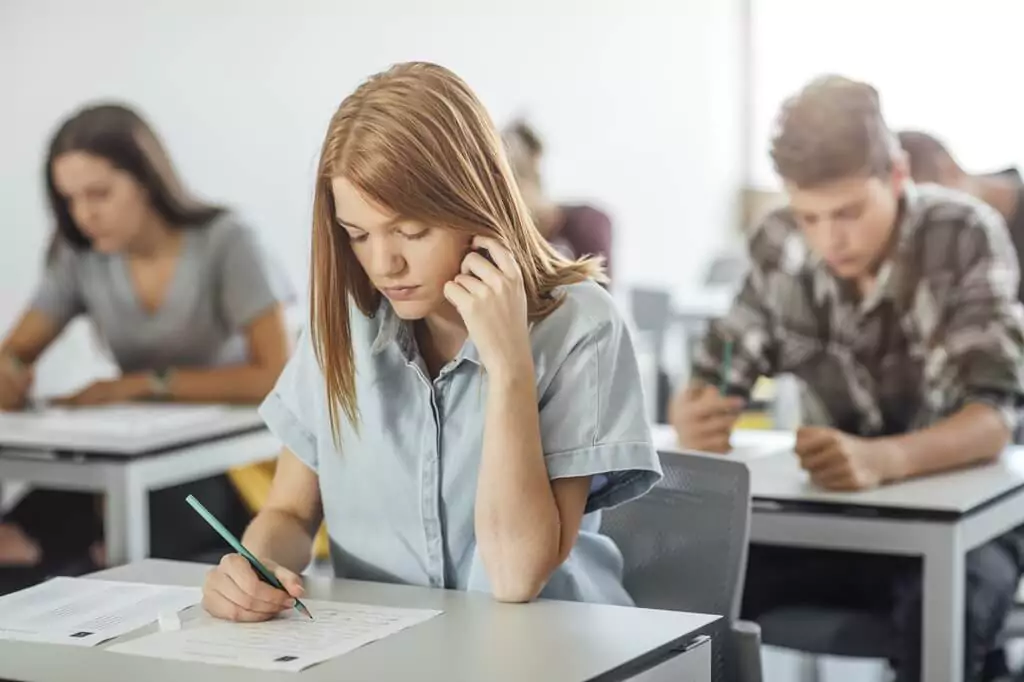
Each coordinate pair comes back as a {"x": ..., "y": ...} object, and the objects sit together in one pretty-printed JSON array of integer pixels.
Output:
[
  {"x": 726, "y": 368},
  {"x": 262, "y": 571}
]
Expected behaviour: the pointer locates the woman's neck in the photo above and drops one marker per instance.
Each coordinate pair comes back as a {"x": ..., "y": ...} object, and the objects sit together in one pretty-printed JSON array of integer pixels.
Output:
[
  {"x": 440, "y": 336},
  {"x": 157, "y": 238}
]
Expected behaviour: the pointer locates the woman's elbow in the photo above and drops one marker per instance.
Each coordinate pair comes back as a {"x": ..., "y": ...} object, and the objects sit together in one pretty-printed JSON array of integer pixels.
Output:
[
  {"x": 524, "y": 582},
  {"x": 517, "y": 591}
]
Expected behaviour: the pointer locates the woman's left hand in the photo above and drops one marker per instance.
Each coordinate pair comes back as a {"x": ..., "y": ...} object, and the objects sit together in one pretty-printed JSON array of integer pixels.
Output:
[
  {"x": 121, "y": 390},
  {"x": 492, "y": 302}
]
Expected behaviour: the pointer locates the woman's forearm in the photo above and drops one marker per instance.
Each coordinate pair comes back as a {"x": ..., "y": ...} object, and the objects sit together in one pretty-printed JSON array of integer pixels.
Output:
[
  {"x": 280, "y": 537},
  {"x": 517, "y": 519},
  {"x": 237, "y": 384}
]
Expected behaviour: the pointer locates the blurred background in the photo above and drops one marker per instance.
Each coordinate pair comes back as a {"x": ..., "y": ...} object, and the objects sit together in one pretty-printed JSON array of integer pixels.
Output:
[{"x": 656, "y": 112}]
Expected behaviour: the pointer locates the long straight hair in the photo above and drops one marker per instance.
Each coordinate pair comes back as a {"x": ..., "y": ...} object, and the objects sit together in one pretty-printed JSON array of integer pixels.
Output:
[
  {"x": 122, "y": 137},
  {"x": 416, "y": 140}
]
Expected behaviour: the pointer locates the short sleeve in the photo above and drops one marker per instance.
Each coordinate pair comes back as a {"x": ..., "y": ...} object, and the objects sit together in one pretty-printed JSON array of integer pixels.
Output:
[
  {"x": 251, "y": 281},
  {"x": 592, "y": 418},
  {"x": 59, "y": 295},
  {"x": 292, "y": 409}
]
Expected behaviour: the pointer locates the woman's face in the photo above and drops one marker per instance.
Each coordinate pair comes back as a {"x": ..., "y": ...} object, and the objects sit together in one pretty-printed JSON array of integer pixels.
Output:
[
  {"x": 107, "y": 204},
  {"x": 407, "y": 261}
]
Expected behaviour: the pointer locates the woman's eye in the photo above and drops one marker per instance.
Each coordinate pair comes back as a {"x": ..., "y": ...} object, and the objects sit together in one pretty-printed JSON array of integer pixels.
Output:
[{"x": 417, "y": 235}]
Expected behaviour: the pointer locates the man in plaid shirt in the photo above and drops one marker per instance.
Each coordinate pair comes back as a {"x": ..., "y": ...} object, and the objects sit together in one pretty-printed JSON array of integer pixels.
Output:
[{"x": 896, "y": 308}]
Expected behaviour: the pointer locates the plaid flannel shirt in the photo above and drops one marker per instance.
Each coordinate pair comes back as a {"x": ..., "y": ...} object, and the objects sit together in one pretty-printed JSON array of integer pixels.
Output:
[{"x": 943, "y": 327}]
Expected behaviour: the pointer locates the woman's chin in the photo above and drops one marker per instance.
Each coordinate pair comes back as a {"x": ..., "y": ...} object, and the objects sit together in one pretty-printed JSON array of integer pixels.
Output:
[{"x": 412, "y": 310}]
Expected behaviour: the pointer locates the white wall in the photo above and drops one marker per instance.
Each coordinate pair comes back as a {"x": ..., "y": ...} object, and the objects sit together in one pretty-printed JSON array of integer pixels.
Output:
[
  {"x": 639, "y": 103},
  {"x": 946, "y": 67}
]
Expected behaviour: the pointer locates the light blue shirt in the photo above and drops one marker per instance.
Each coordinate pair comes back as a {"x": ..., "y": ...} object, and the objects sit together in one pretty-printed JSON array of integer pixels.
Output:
[{"x": 398, "y": 494}]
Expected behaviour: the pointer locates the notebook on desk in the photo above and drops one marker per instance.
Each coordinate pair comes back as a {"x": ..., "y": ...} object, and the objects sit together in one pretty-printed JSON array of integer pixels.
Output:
[{"x": 122, "y": 430}]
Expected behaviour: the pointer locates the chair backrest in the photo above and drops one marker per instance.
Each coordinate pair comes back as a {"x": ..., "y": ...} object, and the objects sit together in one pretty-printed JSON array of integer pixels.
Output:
[
  {"x": 727, "y": 271},
  {"x": 652, "y": 313},
  {"x": 685, "y": 542}
]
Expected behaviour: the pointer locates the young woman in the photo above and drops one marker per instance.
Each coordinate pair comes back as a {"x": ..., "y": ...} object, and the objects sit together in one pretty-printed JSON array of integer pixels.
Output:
[
  {"x": 178, "y": 290},
  {"x": 466, "y": 399}
]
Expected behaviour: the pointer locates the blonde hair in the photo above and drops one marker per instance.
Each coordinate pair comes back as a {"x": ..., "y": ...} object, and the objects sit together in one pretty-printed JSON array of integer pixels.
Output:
[
  {"x": 416, "y": 140},
  {"x": 830, "y": 130}
]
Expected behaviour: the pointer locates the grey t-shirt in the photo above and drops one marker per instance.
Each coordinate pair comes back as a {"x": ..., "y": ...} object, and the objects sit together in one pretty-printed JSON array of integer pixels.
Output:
[{"x": 223, "y": 280}]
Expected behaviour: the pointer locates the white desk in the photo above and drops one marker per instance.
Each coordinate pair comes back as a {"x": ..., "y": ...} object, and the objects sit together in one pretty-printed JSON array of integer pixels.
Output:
[
  {"x": 127, "y": 481},
  {"x": 474, "y": 639},
  {"x": 939, "y": 518}
]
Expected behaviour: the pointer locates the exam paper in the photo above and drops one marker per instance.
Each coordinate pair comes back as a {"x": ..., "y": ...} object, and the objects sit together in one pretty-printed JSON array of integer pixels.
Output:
[
  {"x": 86, "y": 612},
  {"x": 114, "y": 421},
  {"x": 289, "y": 643},
  {"x": 747, "y": 445}
]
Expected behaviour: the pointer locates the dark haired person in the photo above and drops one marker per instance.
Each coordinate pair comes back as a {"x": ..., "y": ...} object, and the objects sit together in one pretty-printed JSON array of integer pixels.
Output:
[
  {"x": 576, "y": 230},
  {"x": 180, "y": 292},
  {"x": 930, "y": 161},
  {"x": 895, "y": 305}
]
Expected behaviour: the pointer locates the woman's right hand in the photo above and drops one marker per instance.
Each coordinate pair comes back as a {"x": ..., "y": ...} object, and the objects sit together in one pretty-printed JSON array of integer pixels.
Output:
[
  {"x": 15, "y": 382},
  {"x": 233, "y": 591}
]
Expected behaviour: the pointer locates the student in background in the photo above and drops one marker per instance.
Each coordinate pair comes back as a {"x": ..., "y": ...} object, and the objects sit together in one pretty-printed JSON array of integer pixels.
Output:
[
  {"x": 180, "y": 293},
  {"x": 931, "y": 162},
  {"x": 575, "y": 230},
  {"x": 895, "y": 306},
  {"x": 467, "y": 398}
]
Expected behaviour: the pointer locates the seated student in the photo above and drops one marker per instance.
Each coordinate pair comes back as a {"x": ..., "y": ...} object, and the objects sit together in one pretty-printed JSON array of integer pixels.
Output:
[
  {"x": 180, "y": 293},
  {"x": 895, "y": 306},
  {"x": 466, "y": 399},
  {"x": 931, "y": 162},
  {"x": 575, "y": 230}
]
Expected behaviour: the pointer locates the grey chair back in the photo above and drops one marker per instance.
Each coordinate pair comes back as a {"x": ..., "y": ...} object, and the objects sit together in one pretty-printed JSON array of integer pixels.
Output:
[
  {"x": 727, "y": 270},
  {"x": 685, "y": 544},
  {"x": 652, "y": 313}
]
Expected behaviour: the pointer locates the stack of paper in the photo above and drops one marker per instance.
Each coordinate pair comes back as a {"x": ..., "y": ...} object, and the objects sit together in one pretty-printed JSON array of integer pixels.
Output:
[
  {"x": 86, "y": 612},
  {"x": 116, "y": 421}
]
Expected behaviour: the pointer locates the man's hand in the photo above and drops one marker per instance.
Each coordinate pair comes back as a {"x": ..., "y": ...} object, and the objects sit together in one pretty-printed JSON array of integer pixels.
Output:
[
  {"x": 839, "y": 461},
  {"x": 703, "y": 418}
]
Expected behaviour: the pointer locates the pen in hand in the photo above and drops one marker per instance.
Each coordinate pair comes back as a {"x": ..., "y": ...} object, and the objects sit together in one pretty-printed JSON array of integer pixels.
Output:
[
  {"x": 726, "y": 368},
  {"x": 264, "y": 573}
]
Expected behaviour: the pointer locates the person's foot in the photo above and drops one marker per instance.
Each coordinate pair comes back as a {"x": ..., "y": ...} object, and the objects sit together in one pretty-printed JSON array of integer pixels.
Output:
[{"x": 16, "y": 548}]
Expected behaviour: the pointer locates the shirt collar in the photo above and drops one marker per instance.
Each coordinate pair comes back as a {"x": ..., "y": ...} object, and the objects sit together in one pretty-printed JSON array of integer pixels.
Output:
[{"x": 395, "y": 330}]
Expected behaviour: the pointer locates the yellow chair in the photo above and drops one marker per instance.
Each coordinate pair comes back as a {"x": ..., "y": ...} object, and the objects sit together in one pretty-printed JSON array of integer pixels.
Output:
[
  {"x": 253, "y": 485},
  {"x": 758, "y": 414}
]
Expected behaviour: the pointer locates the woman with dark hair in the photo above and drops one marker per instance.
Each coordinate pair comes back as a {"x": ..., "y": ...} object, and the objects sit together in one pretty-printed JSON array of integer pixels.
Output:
[{"x": 178, "y": 290}]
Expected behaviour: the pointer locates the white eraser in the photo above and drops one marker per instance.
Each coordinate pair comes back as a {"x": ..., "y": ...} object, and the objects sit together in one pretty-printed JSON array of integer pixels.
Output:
[{"x": 169, "y": 621}]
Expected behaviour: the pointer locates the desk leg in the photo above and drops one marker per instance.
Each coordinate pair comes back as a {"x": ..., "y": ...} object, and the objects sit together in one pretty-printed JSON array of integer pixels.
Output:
[
  {"x": 126, "y": 519},
  {"x": 944, "y": 579}
]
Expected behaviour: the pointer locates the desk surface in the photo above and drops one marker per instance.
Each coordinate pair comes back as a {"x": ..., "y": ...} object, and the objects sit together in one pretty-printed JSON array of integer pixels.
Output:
[
  {"x": 121, "y": 430},
  {"x": 474, "y": 639},
  {"x": 777, "y": 477}
]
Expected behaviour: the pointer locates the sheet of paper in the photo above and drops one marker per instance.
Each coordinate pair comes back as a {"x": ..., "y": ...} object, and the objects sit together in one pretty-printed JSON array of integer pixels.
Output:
[
  {"x": 289, "y": 643},
  {"x": 115, "y": 421},
  {"x": 86, "y": 612},
  {"x": 746, "y": 444}
]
